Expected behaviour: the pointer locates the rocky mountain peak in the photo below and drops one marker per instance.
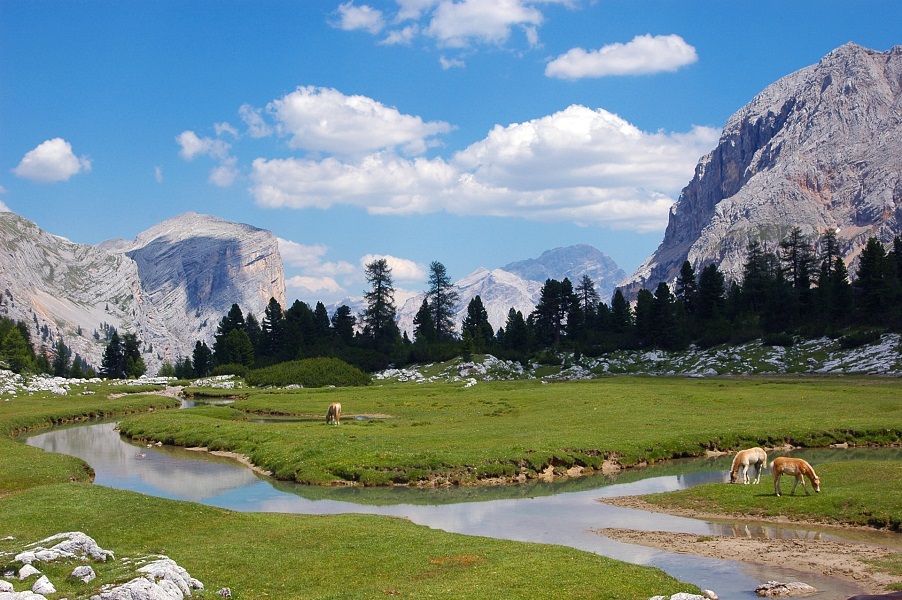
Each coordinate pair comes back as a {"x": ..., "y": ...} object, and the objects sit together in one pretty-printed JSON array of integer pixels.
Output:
[
  {"x": 170, "y": 285},
  {"x": 820, "y": 149}
]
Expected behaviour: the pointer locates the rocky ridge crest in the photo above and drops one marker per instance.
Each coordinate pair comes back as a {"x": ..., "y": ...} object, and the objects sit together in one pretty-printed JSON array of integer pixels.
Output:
[
  {"x": 820, "y": 149},
  {"x": 170, "y": 286}
]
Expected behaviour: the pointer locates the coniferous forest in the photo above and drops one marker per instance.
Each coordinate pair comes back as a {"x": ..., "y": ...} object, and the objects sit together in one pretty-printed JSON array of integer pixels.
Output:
[{"x": 799, "y": 289}]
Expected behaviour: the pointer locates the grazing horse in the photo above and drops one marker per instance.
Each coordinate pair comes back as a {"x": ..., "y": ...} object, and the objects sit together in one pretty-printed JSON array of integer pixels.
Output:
[
  {"x": 753, "y": 456},
  {"x": 798, "y": 468},
  {"x": 334, "y": 413}
]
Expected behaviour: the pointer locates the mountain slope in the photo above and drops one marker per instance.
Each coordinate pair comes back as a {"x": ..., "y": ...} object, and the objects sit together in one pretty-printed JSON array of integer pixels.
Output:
[
  {"x": 820, "y": 149},
  {"x": 170, "y": 286}
]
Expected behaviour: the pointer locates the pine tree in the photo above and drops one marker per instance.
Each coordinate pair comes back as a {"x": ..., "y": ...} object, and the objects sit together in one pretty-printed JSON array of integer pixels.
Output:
[
  {"x": 423, "y": 325},
  {"x": 233, "y": 320},
  {"x": 112, "y": 366},
  {"x": 875, "y": 284},
  {"x": 274, "y": 330},
  {"x": 476, "y": 325},
  {"x": 15, "y": 347},
  {"x": 378, "y": 318},
  {"x": 687, "y": 288},
  {"x": 254, "y": 332},
  {"x": 343, "y": 322},
  {"x": 61, "y": 360},
  {"x": 134, "y": 362},
  {"x": 202, "y": 357},
  {"x": 556, "y": 302},
  {"x": 621, "y": 314},
  {"x": 443, "y": 299}
]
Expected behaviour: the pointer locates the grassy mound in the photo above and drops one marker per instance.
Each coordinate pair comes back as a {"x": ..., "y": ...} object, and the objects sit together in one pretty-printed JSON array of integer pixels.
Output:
[{"x": 309, "y": 372}]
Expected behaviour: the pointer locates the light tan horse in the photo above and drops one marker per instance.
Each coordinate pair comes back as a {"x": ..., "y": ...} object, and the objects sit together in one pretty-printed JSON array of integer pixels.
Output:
[
  {"x": 753, "y": 456},
  {"x": 797, "y": 468},
  {"x": 333, "y": 415}
]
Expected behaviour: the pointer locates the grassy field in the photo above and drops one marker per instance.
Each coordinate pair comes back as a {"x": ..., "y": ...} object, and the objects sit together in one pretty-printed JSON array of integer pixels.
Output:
[
  {"x": 449, "y": 432},
  {"x": 863, "y": 493},
  {"x": 496, "y": 431},
  {"x": 269, "y": 555}
]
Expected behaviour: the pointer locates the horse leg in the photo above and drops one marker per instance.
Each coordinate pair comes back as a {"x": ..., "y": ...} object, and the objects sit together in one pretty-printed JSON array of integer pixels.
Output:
[
  {"x": 795, "y": 483},
  {"x": 777, "y": 484},
  {"x": 758, "y": 472}
]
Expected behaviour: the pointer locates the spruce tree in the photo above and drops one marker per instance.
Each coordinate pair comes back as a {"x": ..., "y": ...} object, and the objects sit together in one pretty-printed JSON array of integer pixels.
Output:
[
  {"x": 202, "y": 357},
  {"x": 378, "y": 318},
  {"x": 443, "y": 299},
  {"x": 476, "y": 324},
  {"x": 112, "y": 366},
  {"x": 343, "y": 322}
]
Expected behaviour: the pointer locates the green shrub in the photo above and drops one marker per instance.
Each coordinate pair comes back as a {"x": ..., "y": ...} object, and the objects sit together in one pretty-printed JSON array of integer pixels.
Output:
[
  {"x": 309, "y": 372},
  {"x": 778, "y": 339},
  {"x": 231, "y": 369},
  {"x": 855, "y": 339}
]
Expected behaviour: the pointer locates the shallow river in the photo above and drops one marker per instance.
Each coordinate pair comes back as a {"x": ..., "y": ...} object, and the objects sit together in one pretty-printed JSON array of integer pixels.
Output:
[{"x": 557, "y": 513}]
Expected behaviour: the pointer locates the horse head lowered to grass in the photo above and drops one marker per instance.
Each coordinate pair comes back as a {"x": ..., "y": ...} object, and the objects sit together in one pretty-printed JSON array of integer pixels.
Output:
[
  {"x": 753, "y": 456},
  {"x": 797, "y": 467},
  {"x": 333, "y": 415}
]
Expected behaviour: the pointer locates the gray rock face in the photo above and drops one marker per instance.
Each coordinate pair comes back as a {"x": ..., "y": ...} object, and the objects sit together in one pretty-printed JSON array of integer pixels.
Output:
[
  {"x": 572, "y": 262},
  {"x": 820, "y": 149},
  {"x": 170, "y": 286}
]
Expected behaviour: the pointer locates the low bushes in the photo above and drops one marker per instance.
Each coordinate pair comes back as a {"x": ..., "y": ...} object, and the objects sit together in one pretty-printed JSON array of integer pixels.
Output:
[{"x": 310, "y": 372}]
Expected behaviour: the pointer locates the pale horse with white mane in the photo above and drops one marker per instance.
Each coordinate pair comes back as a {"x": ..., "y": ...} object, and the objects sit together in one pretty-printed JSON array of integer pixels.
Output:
[{"x": 753, "y": 456}]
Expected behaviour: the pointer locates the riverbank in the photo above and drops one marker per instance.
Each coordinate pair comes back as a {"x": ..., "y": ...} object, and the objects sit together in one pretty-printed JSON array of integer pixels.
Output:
[{"x": 851, "y": 561}]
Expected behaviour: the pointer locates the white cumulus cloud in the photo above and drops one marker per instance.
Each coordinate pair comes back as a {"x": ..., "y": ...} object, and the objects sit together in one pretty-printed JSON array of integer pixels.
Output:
[
  {"x": 193, "y": 145},
  {"x": 584, "y": 165},
  {"x": 313, "y": 285},
  {"x": 3, "y": 206},
  {"x": 225, "y": 174},
  {"x": 325, "y": 120},
  {"x": 53, "y": 160},
  {"x": 402, "y": 269},
  {"x": 457, "y": 24},
  {"x": 352, "y": 17},
  {"x": 643, "y": 55}
]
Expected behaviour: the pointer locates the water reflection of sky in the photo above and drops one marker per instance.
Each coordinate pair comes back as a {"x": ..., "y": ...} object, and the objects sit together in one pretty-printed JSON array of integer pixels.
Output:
[{"x": 556, "y": 518}]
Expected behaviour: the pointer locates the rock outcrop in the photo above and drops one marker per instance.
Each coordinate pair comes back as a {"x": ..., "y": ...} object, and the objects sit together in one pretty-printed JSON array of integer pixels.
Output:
[
  {"x": 820, "y": 149},
  {"x": 170, "y": 286}
]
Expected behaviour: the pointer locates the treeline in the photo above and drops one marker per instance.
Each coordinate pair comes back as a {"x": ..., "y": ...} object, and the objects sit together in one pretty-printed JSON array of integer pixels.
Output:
[
  {"x": 18, "y": 355},
  {"x": 801, "y": 288}
]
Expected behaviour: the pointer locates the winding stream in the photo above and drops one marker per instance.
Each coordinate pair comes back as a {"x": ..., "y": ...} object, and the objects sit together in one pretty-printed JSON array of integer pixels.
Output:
[{"x": 556, "y": 513}]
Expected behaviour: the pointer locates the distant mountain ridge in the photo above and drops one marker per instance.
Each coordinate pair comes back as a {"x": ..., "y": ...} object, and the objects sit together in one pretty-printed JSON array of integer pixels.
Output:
[
  {"x": 820, "y": 149},
  {"x": 170, "y": 286},
  {"x": 518, "y": 284}
]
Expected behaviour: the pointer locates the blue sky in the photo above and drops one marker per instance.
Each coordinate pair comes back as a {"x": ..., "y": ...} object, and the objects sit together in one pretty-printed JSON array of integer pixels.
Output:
[{"x": 472, "y": 132}]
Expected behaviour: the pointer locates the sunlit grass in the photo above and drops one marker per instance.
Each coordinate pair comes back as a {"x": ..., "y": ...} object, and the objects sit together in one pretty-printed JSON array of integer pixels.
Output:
[{"x": 411, "y": 433}]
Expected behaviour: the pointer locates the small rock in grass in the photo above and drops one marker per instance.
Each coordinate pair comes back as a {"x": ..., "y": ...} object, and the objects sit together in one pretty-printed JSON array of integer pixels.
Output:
[
  {"x": 43, "y": 586},
  {"x": 85, "y": 573},
  {"x": 27, "y": 571}
]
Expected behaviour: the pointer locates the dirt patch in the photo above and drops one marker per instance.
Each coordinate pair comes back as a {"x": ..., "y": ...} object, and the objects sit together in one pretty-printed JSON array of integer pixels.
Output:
[
  {"x": 244, "y": 460},
  {"x": 845, "y": 560}
]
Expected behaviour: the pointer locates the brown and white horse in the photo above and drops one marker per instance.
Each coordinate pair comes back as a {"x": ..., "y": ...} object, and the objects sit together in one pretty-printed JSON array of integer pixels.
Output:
[
  {"x": 798, "y": 468},
  {"x": 333, "y": 415},
  {"x": 753, "y": 456}
]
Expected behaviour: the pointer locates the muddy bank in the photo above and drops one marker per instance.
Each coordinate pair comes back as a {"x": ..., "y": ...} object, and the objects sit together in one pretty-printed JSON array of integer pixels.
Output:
[{"x": 845, "y": 560}]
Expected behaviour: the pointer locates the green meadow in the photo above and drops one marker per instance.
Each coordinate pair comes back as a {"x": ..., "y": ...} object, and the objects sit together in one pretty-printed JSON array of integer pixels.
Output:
[
  {"x": 489, "y": 432},
  {"x": 494, "y": 431}
]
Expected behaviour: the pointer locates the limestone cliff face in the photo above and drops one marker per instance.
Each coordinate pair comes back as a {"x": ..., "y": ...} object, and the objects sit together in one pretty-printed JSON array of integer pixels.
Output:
[
  {"x": 170, "y": 286},
  {"x": 820, "y": 149}
]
